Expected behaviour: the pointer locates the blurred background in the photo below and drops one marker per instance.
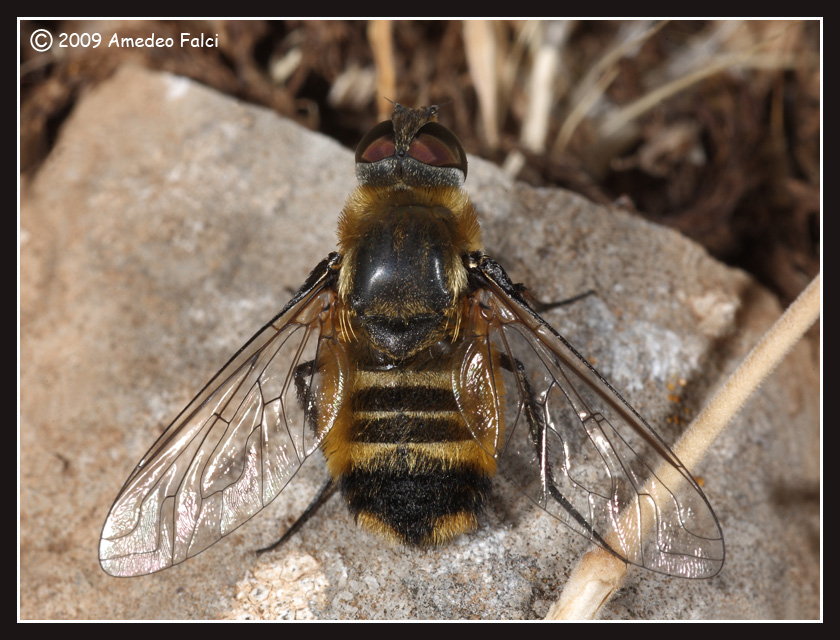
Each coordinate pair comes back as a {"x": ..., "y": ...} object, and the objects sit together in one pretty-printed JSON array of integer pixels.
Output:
[{"x": 710, "y": 127}]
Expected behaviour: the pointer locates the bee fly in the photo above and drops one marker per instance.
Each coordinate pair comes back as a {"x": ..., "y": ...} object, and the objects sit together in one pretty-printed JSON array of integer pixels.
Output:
[{"x": 410, "y": 359}]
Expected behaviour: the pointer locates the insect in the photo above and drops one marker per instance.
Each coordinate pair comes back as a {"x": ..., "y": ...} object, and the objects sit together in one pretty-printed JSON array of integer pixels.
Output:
[{"x": 419, "y": 369}]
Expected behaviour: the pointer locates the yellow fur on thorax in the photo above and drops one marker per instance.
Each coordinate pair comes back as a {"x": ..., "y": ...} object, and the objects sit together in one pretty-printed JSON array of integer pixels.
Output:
[{"x": 368, "y": 204}]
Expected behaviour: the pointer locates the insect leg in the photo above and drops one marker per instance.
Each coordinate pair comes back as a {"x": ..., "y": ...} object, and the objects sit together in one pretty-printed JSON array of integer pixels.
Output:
[
  {"x": 303, "y": 383},
  {"x": 303, "y": 374},
  {"x": 537, "y": 426},
  {"x": 484, "y": 267},
  {"x": 323, "y": 495},
  {"x": 541, "y": 307}
]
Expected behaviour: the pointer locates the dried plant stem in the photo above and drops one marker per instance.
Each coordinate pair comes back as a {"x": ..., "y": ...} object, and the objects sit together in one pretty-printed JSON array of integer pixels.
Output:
[
  {"x": 749, "y": 58},
  {"x": 582, "y": 108},
  {"x": 510, "y": 64},
  {"x": 380, "y": 37},
  {"x": 481, "y": 47},
  {"x": 596, "y": 81},
  {"x": 543, "y": 85},
  {"x": 599, "y": 575}
]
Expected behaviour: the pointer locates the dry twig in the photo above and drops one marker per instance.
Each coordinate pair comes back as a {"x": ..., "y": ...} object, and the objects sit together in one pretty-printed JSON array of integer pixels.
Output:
[{"x": 599, "y": 575}]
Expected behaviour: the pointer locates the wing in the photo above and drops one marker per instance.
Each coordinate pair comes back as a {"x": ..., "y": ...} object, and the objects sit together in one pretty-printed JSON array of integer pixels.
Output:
[
  {"x": 237, "y": 444},
  {"x": 572, "y": 443}
]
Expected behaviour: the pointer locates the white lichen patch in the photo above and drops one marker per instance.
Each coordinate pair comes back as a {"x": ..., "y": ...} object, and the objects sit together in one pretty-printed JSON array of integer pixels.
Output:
[{"x": 282, "y": 590}]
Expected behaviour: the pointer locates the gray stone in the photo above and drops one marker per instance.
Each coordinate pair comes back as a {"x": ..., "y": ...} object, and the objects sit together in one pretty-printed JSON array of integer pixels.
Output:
[{"x": 170, "y": 223}]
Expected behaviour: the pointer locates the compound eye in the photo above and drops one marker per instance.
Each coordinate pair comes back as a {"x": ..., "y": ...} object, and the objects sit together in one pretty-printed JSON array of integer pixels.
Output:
[
  {"x": 429, "y": 150},
  {"x": 378, "y": 150},
  {"x": 377, "y": 144},
  {"x": 437, "y": 146}
]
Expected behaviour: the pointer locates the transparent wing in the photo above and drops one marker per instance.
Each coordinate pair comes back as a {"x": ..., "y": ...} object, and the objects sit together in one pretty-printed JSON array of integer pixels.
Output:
[
  {"x": 236, "y": 445},
  {"x": 574, "y": 445}
]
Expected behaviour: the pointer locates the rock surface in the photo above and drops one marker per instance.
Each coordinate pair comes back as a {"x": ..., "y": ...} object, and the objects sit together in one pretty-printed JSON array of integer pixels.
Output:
[{"x": 170, "y": 223}]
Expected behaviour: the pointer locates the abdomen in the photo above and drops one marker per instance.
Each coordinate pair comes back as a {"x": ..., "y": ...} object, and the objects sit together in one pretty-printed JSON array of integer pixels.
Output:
[{"x": 406, "y": 463}]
